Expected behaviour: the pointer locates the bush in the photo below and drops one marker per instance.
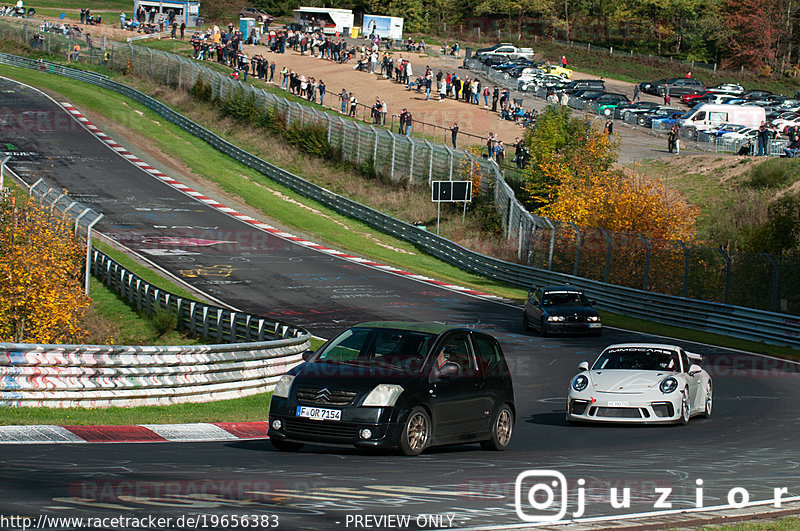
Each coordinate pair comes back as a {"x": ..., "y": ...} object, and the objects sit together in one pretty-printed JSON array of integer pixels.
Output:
[
  {"x": 242, "y": 108},
  {"x": 164, "y": 320},
  {"x": 313, "y": 139},
  {"x": 202, "y": 90},
  {"x": 773, "y": 173}
]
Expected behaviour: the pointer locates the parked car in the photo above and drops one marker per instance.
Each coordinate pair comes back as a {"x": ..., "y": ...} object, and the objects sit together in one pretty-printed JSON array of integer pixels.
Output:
[
  {"x": 728, "y": 88},
  {"x": 560, "y": 309},
  {"x": 643, "y": 383},
  {"x": 257, "y": 14},
  {"x": 650, "y": 87},
  {"x": 646, "y": 119},
  {"x": 490, "y": 48},
  {"x": 665, "y": 122},
  {"x": 681, "y": 85},
  {"x": 580, "y": 84},
  {"x": 558, "y": 70},
  {"x": 508, "y": 52},
  {"x": 725, "y": 129},
  {"x": 397, "y": 385},
  {"x": 623, "y": 110},
  {"x": 609, "y": 101},
  {"x": 704, "y": 117}
]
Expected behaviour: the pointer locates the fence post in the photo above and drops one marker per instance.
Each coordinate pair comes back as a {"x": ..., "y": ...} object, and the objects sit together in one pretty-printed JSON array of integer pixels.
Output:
[
  {"x": 411, "y": 162},
  {"x": 646, "y": 261},
  {"x": 328, "y": 117},
  {"x": 375, "y": 146},
  {"x": 577, "y": 248},
  {"x": 727, "y": 274},
  {"x": 430, "y": 162},
  {"x": 685, "y": 268},
  {"x": 150, "y": 63},
  {"x": 180, "y": 73},
  {"x": 607, "y": 269},
  {"x": 394, "y": 151},
  {"x": 452, "y": 156},
  {"x": 358, "y": 142},
  {"x": 774, "y": 300}
]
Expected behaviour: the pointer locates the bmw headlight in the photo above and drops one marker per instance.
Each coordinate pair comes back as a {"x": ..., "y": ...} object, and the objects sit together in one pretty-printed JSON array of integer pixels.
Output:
[
  {"x": 668, "y": 385},
  {"x": 580, "y": 382},
  {"x": 556, "y": 318},
  {"x": 593, "y": 318},
  {"x": 384, "y": 395},
  {"x": 283, "y": 386}
]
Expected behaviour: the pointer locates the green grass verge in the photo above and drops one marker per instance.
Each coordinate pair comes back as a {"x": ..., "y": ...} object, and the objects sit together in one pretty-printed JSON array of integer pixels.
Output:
[
  {"x": 789, "y": 523},
  {"x": 249, "y": 408}
]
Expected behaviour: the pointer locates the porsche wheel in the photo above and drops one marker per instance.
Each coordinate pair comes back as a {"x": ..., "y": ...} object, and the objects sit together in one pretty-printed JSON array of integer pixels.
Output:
[
  {"x": 709, "y": 401},
  {"x": 416, "y": 432},
  {"x": 685, "y": 412},
  {"x": 502, "y": 427}
]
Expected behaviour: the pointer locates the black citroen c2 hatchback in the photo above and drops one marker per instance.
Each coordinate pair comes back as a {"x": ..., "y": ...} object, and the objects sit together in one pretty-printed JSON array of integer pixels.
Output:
[{"x": 397, "y": 385}]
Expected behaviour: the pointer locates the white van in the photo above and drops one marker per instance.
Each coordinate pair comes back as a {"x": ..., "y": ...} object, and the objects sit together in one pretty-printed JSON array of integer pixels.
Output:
[{"x": 709, "y": 115}]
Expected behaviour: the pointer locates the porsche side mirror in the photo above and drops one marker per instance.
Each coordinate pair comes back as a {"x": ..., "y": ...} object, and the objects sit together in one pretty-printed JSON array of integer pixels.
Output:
[
  {"x": 448, "y": 370},
  {"x": 584, "y": 365},
  {"x": 694, "y": 369},
  {"x": 307, "y": 355}
]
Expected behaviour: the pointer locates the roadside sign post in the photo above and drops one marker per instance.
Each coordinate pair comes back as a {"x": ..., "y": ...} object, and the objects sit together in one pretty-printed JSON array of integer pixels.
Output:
[{"x": 450, "y": 192}]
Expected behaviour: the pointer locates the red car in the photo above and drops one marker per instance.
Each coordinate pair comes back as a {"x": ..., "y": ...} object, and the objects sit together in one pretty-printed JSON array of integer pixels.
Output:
[{"x": 687, "y": 98}]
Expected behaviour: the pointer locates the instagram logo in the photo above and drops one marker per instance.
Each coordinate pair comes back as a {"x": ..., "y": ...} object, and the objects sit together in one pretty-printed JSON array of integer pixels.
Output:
[{"x": 548, "y": 491}]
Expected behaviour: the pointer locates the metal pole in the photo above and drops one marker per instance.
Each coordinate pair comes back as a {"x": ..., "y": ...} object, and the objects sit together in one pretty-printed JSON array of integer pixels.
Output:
[
  {"x": 89, "y": 250},
  {"x": 3, "y": 169},
  {"x": 438, "y": 215}
]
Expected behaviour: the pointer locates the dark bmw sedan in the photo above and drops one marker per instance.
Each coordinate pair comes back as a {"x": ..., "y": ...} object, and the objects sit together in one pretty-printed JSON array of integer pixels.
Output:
[
  {"x": 407, "y": 386},
  {"x": 560, "y": 309}
]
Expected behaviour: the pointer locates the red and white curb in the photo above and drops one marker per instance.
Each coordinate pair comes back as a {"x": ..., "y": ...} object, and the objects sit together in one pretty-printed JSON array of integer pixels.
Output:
[
  {"x": 254, "y": 222},
  {"x": 202, "y": 432}
]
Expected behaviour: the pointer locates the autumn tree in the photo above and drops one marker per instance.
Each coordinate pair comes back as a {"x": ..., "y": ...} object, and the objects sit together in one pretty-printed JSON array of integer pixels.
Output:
[
  {"x": 756, "y": 31},
  {"x": 41, "y": 295},
  {"x": 563, "y": 146}
]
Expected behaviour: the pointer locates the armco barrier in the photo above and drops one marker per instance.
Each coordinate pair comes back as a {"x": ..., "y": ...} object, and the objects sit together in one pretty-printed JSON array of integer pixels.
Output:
[
  {"x": 722, "y": 319},
  {"x": 252, "y": 353}
]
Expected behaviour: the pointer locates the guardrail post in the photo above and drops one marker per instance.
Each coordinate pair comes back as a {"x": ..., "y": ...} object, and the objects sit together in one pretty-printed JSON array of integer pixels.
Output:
[
  {"x": 577, "y": 248},
  {"x": 727, "y": 273},
  {"x": 646, "y": 261},
  {"x": 774, "y": 299},
  {"x": 685, "y": 268}
]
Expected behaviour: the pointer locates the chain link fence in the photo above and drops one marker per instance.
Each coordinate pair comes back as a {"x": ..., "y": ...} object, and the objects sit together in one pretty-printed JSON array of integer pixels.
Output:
[{"x": 672, "y": 268}]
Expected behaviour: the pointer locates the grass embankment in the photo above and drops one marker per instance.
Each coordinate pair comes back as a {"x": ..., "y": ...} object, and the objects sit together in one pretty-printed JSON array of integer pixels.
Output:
[{"x": 303, "y": 215}]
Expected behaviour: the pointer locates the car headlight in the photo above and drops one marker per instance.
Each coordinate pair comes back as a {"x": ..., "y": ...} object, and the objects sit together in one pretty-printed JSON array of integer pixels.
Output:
[
  {"x": 283, "y": 386},
  {"x": 593, "y": 318},
  {"x": 580, "y": 382},
  {"x": 668, "y": 385},
  {"x": 555, "y": 318},
  {"x": 384, "y": 395}
]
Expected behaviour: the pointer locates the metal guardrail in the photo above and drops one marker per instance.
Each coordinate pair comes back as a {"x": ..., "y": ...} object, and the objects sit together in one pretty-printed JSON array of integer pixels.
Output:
[
  {"x": 718, "y": 318},
  {"x": 251, "y": 355}
]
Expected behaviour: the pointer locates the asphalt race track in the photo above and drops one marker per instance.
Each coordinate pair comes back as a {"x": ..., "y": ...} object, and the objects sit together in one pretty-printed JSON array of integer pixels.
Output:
[{"x": 750, "y": 442}]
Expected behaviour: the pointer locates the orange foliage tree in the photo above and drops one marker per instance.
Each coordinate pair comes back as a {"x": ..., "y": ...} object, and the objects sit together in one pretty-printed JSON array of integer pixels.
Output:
[{"x": 41, "y": 294}]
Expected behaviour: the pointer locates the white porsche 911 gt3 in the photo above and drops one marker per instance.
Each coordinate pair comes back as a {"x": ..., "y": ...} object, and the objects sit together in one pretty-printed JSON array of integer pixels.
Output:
[{"x": 641, "y": 382}]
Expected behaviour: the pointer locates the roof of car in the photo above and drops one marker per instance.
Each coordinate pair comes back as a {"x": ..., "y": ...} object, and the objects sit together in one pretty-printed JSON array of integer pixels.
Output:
[
  {"x": 635, "y": 346},
  {"x": 431, "y": 328},
  {"x": 564, "y": 287}
]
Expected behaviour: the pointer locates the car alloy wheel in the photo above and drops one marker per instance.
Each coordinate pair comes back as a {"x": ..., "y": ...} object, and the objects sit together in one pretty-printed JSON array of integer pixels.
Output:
[
  {"x": 416, "y": 432},
  {"x": 709, "y": 401},
  {"x": 502, "y": 427},
  {"x": 685, "y": 413},
  {"x": 641, "y": 121},
  {"x": 607, "y": 111}
]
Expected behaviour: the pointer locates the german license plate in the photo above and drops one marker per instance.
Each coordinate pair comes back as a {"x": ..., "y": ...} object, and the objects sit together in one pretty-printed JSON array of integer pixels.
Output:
[
  {"x": 595, "y": 325},
  {"x": 317, "y": 413},
  {"x": 612, "y": 403}
]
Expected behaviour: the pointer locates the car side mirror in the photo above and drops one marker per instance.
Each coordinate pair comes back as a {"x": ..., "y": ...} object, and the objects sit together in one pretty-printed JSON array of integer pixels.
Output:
[
  {"x": 448, "y": 370},
  {"x": 307, "y": 355},
  {"x": 584, "y": 365},
  {"x": 694, "y": 369}
]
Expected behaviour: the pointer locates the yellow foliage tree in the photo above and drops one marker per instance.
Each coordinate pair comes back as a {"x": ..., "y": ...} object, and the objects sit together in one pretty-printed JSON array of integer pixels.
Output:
[
  {"x": 617, "y": 201},
  {"x": 41, "y": 295}
]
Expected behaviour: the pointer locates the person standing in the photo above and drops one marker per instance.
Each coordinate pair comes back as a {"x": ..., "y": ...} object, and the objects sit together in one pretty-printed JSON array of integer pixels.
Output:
[
  {"x": 672, "y": 136},
  {"x": 500, "y": 153},
  {"x": 353, "y": 105},
  {"x": 183, "y": 29},
  {"x": 271, "y": 71},
  {"x": 384, "y": 110},
  {"x": 763, "y": 135},
  {"x": 344, "y": 97},
  {"x": 564, "y": 61},
  {"x": 454, "y": 134},
  {"x": 321, "y": 89},
  {"x": 519, "y": 146},
  {"x": 609, "y": 128},
  {"x": 636, "y": 93},
  {"x": 409, "y": 123},
  {"x": 122, "y": 20},
  {"x": 495, "y": 97}
]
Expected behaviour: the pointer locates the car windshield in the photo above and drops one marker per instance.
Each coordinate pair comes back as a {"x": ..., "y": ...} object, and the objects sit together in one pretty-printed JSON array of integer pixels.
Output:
[
  {"x": 400, "y": 349},
  {"x": 564, "y": 298},
  {"x": 638, "y": 360}
]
